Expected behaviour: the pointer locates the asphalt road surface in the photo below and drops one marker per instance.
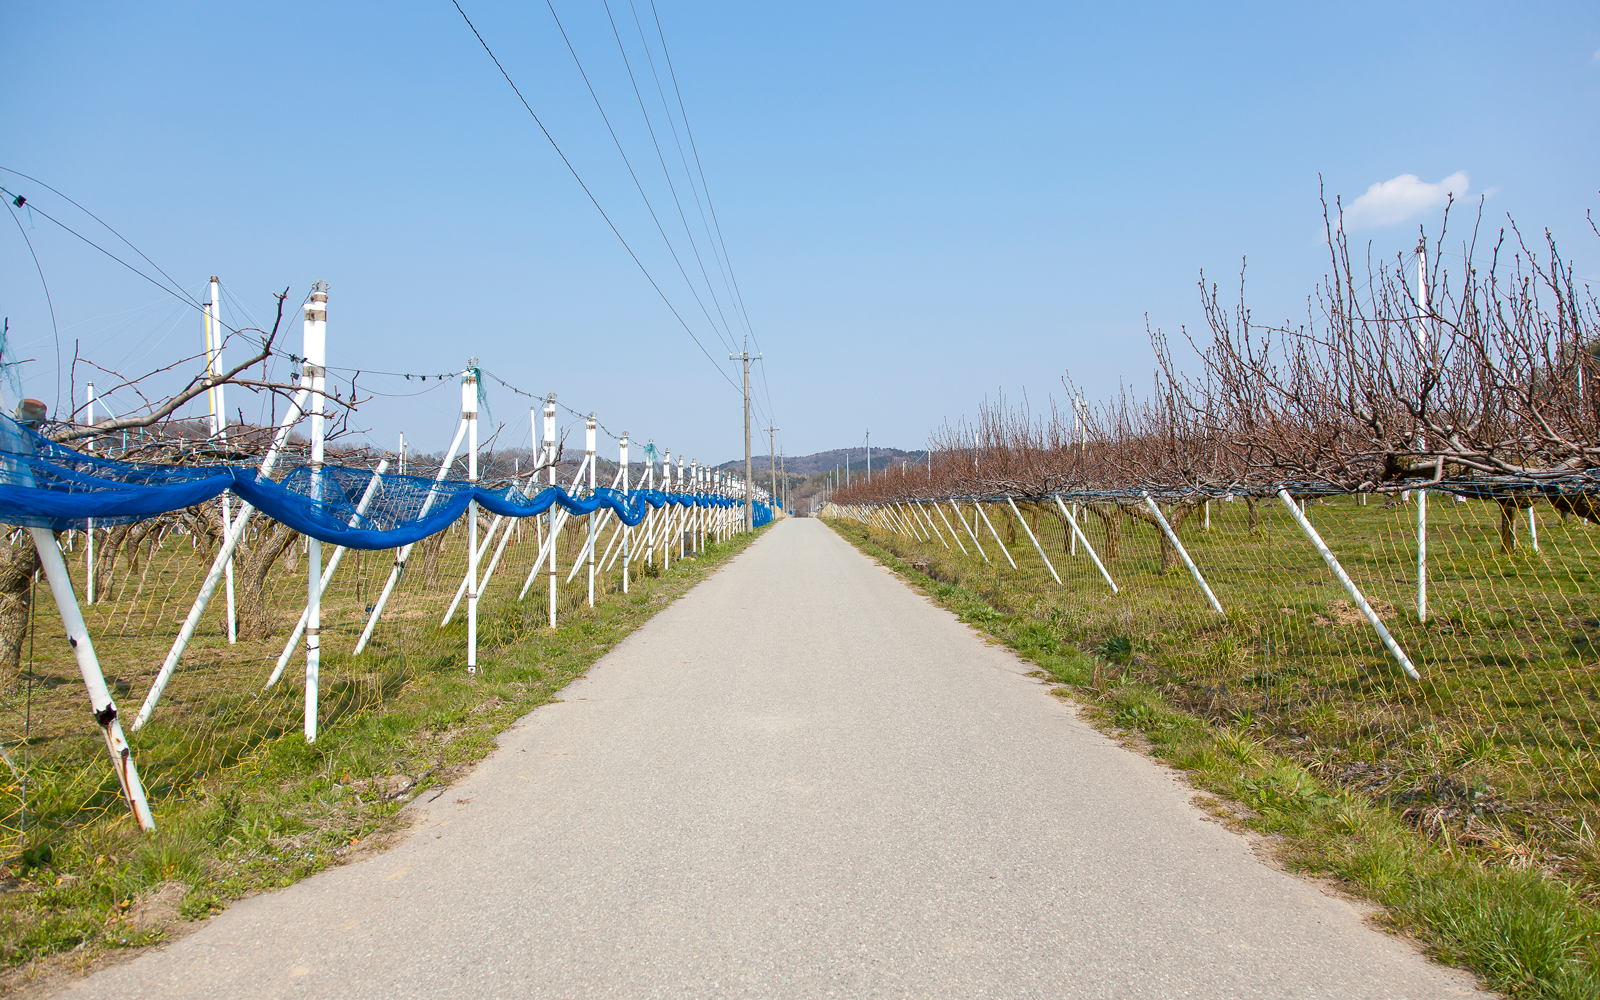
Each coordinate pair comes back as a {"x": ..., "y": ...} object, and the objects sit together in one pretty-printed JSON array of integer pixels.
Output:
[{"x": 800, "y": 780}]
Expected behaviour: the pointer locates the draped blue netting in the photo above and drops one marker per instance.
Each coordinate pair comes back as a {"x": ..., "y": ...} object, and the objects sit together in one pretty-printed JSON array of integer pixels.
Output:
[{"x": 48, "y": 485}]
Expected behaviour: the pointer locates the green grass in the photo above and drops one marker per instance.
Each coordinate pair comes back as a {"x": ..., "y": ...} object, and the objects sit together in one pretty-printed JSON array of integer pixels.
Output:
[
  {"x": 1464, "y": 805},
  {"x": 242, "y": 802}
]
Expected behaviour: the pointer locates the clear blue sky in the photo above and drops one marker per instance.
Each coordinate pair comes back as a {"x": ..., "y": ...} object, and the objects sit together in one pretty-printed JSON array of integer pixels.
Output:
[{"x": 924, "y": 204}]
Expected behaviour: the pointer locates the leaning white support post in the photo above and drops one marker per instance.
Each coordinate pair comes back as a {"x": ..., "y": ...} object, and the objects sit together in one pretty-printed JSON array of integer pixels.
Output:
[
  {"x": 224, "y": 555},
  {"x": 937, "y": 533},
  {"x": 1035, "y": 541},
  {"x": 469, "y": 413},
  {"x": 1422, "y": 555},
  {"x": 916, "y": 522},
  {"x": 327, "y": 575},
  {"x": 970, "y": 533},
  {"x": 100, "y": 701},
  {"x": 1350, "y": 587},
  {"x": 1533, "y": 531},
  {"x": 953, "y": 533},
  {"x": 316, "y": 348},
  {"x": 1183, "y": 553},
  {"x": 405, "y": 550},
  {"x": 1077, "y": 533},
  {"x": 979, "y": 505}
]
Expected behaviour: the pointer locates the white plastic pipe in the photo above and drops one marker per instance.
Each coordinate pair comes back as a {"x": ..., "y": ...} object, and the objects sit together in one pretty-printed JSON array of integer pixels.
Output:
[
  {"x": 469, "y": 413},
  {"x": 100, "y": 700},
  {"x": 995, "y": 533},
  {"x": 405, "y": 550},
  {"x": 1422, "y": 555},
  {"x": 209, "y": 586},
  {"x": 1183, "y": 553},
  {"x": 1349, "y": 587},
  {"x": 555, "y": 527},
  {"x": 1077, "y": 533},
  {"x": 327, "y": 574},
  {"x": 88, "y": 557},
  {"x": 219, "y": 425},
  {"x": 953, "y": 533},
  {"x": 970, "y": 533},
  {"x": 316, "y": 349},
  {"x": 1039, "y": 548}
]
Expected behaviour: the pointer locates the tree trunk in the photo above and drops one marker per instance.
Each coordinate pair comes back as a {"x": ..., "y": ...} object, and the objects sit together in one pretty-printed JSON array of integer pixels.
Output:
[
  {"x": 105, "y": 560},
  {"x": 1253, "y": 505},
  {"x": 257, "y": 619},
  {"x": 18, "y": 562},
  {"x": 1111, "y": 521},
  {"x": 430, "y": 561},
  {"x": 1509, "y": 508},
  {"x": 1583, "y": 505},
  {"x": 1176, "y": 514}
]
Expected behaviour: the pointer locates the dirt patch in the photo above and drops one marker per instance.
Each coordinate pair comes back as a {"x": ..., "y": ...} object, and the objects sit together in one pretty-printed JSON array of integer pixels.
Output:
[
  {"x": 1345, "y": 613},
  {"x": 157, "y": 905}
]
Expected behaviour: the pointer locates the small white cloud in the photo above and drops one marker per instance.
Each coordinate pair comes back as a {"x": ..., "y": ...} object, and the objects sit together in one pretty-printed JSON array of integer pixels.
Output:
[{"x": 1400, "y": 198}]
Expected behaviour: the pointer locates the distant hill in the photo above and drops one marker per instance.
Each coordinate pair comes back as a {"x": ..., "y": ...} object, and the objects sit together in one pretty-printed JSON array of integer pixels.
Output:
[{"x": 823, "y": 461}]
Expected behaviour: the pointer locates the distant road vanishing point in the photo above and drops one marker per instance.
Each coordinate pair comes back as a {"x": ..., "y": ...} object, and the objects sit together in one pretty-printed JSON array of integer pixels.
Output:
[{"x": 801, "y": 780}]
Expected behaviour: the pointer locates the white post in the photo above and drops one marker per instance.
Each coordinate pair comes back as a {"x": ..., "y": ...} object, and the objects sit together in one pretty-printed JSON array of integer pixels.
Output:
[
  {"x": 550, "y": 468},
  {"x": 979, "y": 506},
  {"x": 316, "y": 351},
  {"x": 969, "y": 528},
  {"x": 1349, "y": 586},
  {"x": 219, "y": 429},
  {"x": 1077, "y": 533},
  {"x": 88, "y": 557},
  {"x": 1034, "y": 540},
  {"x": 405, "y": 550},
  {"x": 1533, "y": 531},
  {"x": 1172, "y": 536},
  {"x": 214, "y": 576},
  {"x": 100, "y": 701},
  {"x": 937, "y": 533},
  {"x": 401, "y": 454},
  {"x": 588, "y": 451},
  {"x": 469, "y": 413},
  {"x": 327, "y": 575},
  {"x": 1422, "y": 555},
  {"x": 671, "y": 514},
  {"x": 953, "y": 533},
  {"x": 624, "y": 461}
]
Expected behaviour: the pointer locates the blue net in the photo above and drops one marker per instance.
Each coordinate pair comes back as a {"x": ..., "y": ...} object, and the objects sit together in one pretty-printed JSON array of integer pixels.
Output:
[{"x": 44, "y": 484}]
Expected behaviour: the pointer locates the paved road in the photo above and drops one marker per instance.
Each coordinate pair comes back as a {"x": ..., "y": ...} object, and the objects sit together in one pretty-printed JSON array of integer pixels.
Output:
[{"x": 801, "y": 780}]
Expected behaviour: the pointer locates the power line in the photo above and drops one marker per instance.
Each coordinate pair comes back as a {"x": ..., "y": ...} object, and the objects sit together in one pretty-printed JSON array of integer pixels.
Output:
[
  {"x": 661, "y": 158},
  {"x": 683, "y": 112},
  {"x": 629, "y": 164},
  {"x": 592, "y": 200},
  {"x": 48, "y": 300}
]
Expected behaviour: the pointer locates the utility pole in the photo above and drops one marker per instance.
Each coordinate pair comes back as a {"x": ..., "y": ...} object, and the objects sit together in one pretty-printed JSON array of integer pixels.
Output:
[
  {"x": 749, "y": 510},
  {"x": 772, "y": 459},
  {"x": 869, "y": 458}
]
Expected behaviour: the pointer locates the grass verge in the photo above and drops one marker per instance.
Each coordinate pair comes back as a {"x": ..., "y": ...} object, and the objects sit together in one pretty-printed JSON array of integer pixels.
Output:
[
  {"x": 259, "y": 807},
  {"x": 1525, "y": 929}
]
